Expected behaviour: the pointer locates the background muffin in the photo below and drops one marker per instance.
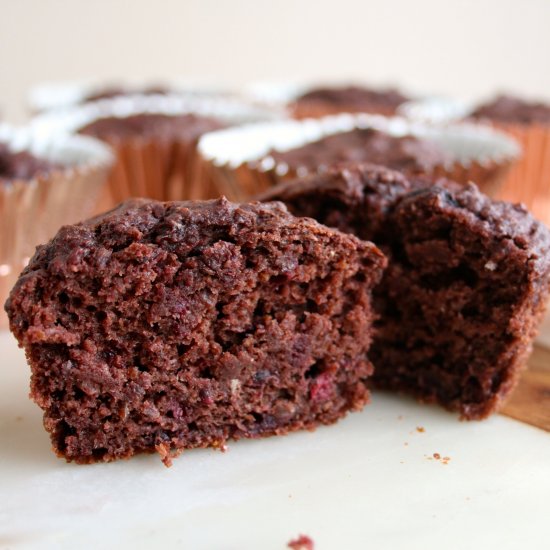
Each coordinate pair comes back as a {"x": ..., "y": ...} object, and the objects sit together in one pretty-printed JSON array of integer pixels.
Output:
[
  {"x": 244, "y": 162},
  {"x": 154, "y": 138},
  {"x": 328, "y": 100},
  {"x": 314, "y": 101},
  {"x": 528, "y": 122},
  {"x": 44, "y": 184}
]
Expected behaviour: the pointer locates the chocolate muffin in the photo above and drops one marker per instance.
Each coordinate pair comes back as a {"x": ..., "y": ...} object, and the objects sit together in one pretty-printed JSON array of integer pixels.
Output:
[
  {"x": 347, "y": 99},
  {"x": 529, "y": 123},
  {"x": 466, "y": 286},
  {"x": 244, "y": 162},
  {"x": 22, "y": 165},
  {"x": 44, "y": 184},
  {"x": 406, "y": 153},
  {"x": 167, "y": 326},
  {"x": 156, "y": 155},
  {"x": 513, "y": 110},
  {"x": 188, "y": 127}
]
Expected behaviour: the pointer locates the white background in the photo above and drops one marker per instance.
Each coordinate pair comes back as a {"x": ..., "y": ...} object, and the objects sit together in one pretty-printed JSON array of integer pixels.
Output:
[{"x": 467, "y": 48}]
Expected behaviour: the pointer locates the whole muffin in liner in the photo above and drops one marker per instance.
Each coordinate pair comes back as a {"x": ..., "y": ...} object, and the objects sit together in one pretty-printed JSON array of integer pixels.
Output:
[
  {"x": 58, "y": 183},
  {"x": 241, "y": 163},
  {"x": 528, "y": 181},
  {"x": 320, "y": 100},
  {"x": 154, "y": 138}
]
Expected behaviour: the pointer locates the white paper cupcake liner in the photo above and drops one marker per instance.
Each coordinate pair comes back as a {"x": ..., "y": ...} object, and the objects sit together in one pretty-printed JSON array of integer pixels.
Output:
[
  {"x": 435, "y": 110},
  {"x": 231, "y": 156},
  {"x": 31, "y": 211}
]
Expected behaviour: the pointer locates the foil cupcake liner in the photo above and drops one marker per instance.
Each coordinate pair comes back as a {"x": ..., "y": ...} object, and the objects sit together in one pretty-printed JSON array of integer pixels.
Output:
[
  {"x": 237, "y": 162},
  {"x": 528, "y": 181},
  {"x": 31, "y": 211},
  {"x": 152, "y": 167}
]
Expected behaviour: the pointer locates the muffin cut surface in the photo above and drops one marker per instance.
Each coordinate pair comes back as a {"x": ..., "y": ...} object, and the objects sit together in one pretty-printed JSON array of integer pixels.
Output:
[
  {"x": 466, "y": 285},
  {"x": 166, "y": 326}
]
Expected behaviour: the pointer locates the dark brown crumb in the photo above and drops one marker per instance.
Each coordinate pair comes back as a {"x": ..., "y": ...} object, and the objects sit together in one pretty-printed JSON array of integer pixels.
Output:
[
  {"x": 167, "y": 326},
  {"x": 420, "y": 429},
  {"x": 443, "y": 460},
  {"x": 466, "y": 286}
]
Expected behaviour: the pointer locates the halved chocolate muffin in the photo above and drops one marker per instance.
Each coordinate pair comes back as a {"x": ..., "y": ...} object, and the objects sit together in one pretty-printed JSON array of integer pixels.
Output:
[
  {"x": 466, "y": 287},
  {"x": 168, "y": 326}
]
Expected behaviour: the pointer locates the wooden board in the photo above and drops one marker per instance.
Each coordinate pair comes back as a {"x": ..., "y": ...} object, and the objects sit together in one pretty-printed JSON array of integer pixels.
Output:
[{"x": 530, "y": 401}]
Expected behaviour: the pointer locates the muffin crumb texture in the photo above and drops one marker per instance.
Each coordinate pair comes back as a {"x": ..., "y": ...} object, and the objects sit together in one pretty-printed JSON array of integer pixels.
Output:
[
  {"x": 159, "y": 327},
  {"x": 466, "y": 287}
]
